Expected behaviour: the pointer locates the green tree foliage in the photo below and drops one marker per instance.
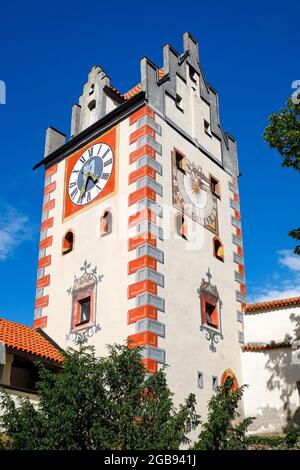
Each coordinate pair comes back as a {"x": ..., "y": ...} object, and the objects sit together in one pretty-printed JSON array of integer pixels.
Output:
[
  {"x": 220, "y": 432},
  {"x": 283, "y": 133},
  {"x": 99, "y": 403}
]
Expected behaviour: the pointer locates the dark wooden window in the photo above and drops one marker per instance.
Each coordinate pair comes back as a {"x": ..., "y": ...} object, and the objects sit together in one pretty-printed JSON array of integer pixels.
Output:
[{"x": 85, "y": 310}]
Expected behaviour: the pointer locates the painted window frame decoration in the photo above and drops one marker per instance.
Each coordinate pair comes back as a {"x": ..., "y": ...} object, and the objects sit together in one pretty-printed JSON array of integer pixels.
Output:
[
  {"x": 231, "y": 374},
  {"x": 84, "y": 287},
  {"x": 210, "y": 324},
  {"x": 188, "y": 178}
]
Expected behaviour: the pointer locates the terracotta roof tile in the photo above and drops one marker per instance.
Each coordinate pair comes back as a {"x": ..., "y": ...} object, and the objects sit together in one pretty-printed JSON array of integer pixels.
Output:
[
  {"x": 136, "y": 89},
  {"x": 272, "y": 304},
  {"x": 26, "y": 339},
  {"x": 264, "y": 347}
]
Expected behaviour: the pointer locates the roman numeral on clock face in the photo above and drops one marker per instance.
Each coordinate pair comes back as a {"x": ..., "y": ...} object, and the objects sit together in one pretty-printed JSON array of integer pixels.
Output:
[
  {"x": 82, "y": 159},
  {"x": 105, "y": 153},
  {"x": 73, "y": 193},
  {"x": 108, "y": 162},
  {"x": 71, "y": 185},
  {"x": 91, "y": 151},
  {"x": 105, "y": 176}
]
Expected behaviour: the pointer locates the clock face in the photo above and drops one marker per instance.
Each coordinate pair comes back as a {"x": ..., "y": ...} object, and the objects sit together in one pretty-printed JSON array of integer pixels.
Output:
[
  {"x": 90, "y": 174},
  {"x": 191, "y": 194}
]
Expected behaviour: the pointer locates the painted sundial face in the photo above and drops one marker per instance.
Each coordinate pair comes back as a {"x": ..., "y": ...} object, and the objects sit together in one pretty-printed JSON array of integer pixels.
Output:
[
  {"x": 195, "y": 196},
  {"x": 90, "y": 174}
]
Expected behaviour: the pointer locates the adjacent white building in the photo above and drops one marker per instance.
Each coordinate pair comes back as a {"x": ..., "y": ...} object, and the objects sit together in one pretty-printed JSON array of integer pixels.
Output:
[{"x": 271, "y": 364}]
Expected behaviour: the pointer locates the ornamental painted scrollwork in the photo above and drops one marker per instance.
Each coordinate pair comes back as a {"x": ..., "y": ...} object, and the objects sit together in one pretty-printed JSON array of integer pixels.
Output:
[
  {"x": 210, "y": 309},
  {"x": 84, "y": 304}
]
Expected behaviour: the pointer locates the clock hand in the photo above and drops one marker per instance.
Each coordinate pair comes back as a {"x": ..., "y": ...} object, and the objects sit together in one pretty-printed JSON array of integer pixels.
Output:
[{"x": 83, "y": 188}]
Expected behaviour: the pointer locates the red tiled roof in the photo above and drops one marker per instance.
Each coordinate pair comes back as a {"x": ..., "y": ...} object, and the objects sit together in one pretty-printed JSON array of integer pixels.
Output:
[
  {"x": 136, "y": 89},
  {"x": 264, "y": 347},
  {"x": 26, "y": 339},
  {"x": 272, "y": 304}
]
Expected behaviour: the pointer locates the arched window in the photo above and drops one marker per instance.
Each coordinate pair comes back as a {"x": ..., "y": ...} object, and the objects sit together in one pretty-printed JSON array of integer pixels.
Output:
[
  {"x": 180, "y": 225},
  {"x": 106, "y": 223},
  {"x": 68, "y": 242},
  {"x": 229, "y": 373},
  {"x": 218, "y": 249}
]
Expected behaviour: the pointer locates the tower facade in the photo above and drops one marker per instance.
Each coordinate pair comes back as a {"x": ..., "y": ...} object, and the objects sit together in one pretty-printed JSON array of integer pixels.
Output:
[{"x": 141, "y": 233}]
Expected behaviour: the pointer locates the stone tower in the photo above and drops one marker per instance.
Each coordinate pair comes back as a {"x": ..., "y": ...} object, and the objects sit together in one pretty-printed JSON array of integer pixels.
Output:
[{"x": 141, "y": 233}]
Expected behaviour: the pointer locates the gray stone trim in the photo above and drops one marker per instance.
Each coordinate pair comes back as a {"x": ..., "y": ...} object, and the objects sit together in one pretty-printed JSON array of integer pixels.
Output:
[
  {"x": 54, "y": 140},
  {"x": 240, "y": 316},
  {"x": 46, "y": 198},
  {"x": 238, "y": 259},
  {"x": 236, "y": 240},
  {"x": 240, "y": 297},
  {"x": 42, "y": 253},
  {"x": 235, "y": 222},
  {"x": 233, "y": 204},
  {"x": 241, "y": 337},
  {"x": 154, "y": 206},
  {"x": 47, "y": 180},
  {"x": 39, "y": 293},
  {"x": 148, "y": 120},
  {"x": 147, "y": 181},
  {"x": 148, "y": 226},
  {"x": 45, "y": 216},
  {"x": 232, "y": 187},
  {"x": 148, "y": 273},
  {"x": 43, "y": 234},
  {"x": 157, "y": 354},
  {"x": 146, "y": 324},
  {"x": 41, "y": 273},
  {"x": 147, "y": 160},
  {"x": 238, "y": 277},
  {"x": 152, "y": 251},
  {"x": 147, "y": 140},
  {"x": 37, "y": 313},
  {"x": 150, "y": 299}
]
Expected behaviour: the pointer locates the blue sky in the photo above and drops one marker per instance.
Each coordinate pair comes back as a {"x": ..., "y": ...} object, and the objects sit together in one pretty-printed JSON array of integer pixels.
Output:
[{"x": 250, "y": 54}]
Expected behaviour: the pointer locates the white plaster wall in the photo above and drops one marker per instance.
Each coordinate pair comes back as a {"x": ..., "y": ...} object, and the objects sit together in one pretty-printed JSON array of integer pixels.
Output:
[
  {"x": 187, "y": 349},
  {"x": 194, "y": 111},
  {"x": 272, "y": 396},
  {"x": 274, "y": 325},
  {"x": 108, "y": 253}
]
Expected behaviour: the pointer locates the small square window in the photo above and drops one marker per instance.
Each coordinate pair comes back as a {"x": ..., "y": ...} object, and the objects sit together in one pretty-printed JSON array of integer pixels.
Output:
[
  {"x": 207, "y": 127},
  {"x": 200, "y": 379},
  {"x": 215, "y": 383},
  {"x": 178, "y": 102},
  {"x": 215, "y": 186},
  {"x": 85, "y": 310},
  {"x": 192, "y": 74}
]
